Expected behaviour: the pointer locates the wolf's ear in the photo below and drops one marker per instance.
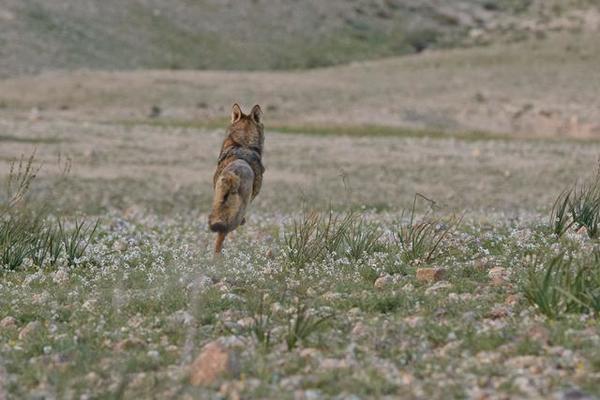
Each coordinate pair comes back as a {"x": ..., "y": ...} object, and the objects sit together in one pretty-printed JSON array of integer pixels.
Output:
[
  {"x": 256, "y": 114},
  {"x": 236, "y": 113}
]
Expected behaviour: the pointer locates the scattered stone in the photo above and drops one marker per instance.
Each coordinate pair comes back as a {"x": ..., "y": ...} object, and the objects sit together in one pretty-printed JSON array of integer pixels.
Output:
[
  {"x": 246, "y": 322},
  {"x": 8, "y": 323},
  {"x": 309, "y": 394},
  {"x": 572, "y": 394},
  {"x": 359, "y": 330},
  {"x": 60, "y": 276},
  {"x": 32, "y": 328},
  {"x": 481, "y": 264},
  {"x": 201, "y": 282},
  {"x": 409, "y": 287},
  {"x": 512, "y": 299},
  {"x": 309, "y": 352},
  {"x": 498, "y": 276},
  {"x": 128, "y": 344},
  {"x": 354, "y": 311},
  {"x": 469, "y": 316},
  {"x": 453, "y": 297},
  {"x": 120, "y": 245},
  {"x": 35, "y": 114},
  {"x": 213, "y": 362},
  {"x": 383, "y": 282},
  {"x": 92, "y": 378},
  {"x": 331, "y": 296},
  {"x": 498, "y": 312},
  {"x": 430, "y": 274},
  {"x": 334, "y": 363},
  {"x": 437, "y": 286},
  {"x": 155, "y": 112},
  {"x": 291, "y": 382},
  {"x": 413, "y": 321},
  {"x": 90, "y": 304},
  {"x": 539, "y": 333},
  {"x": 480, "y": 97},
  {"x": 233, "y": 342}
]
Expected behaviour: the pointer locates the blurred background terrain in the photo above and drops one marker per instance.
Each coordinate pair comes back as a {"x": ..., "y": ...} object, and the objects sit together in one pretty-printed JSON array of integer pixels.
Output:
[
  {"x": 519, "y": 67},
  {"x": 40, "y": 35}
]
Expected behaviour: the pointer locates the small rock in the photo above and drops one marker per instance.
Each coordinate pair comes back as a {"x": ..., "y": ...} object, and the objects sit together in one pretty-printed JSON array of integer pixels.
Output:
[
  {"x": 246, "y": 322},
  {"x": 539, "y": 333},
  {"x": 120, "y": 245},
  {"x": 359, "y": 330},
  {"x": 213, "y": 362},
  {"x": 331, "y": 296},
  {"x": 437, "y": 286},
  {"x": 181, "y": 317},
  {"x": 60, "y": 276},
  {"x": 233, "y": 342},
  {"x": 383, "y": 282},
  {"x": 90, "y": 304},
  {"x": 498, "y": 312},
  {"x": 92, "y": 378},
  {"x": 573, "y": 394},
  {"x": 469, "y": 316},
  {"x": 309, "y": 352},
  {"x": 512, "y": 299},
  {"x": 128, "y": 344},
  {"x": 201, "y": 282},
  {"x": 31, "y": 328},
  {"x": 310, "y": 394},
  {"x": 334, "y": 363},
  {"x": 430, "y": 274},
  {"x": 8, "y": 323},
  {"x": 155, "y": 111},
  {"x": 414, "y": 321},
  {"x": 354, "y": 311},
  {"x": 231, "y": 390},
  {"x": 498, "y": 276}
]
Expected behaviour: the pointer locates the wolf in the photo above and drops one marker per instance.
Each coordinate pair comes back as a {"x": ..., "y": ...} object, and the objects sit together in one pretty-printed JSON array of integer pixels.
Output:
[{"x": 238, "y": 177}]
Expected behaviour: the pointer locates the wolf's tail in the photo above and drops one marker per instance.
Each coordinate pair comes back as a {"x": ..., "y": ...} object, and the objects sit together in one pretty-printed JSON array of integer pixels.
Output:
[{"x": 226, "y": 203}]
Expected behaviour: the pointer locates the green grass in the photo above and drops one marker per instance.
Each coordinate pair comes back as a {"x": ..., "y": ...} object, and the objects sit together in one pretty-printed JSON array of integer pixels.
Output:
[{"x": 125, "y": 305}]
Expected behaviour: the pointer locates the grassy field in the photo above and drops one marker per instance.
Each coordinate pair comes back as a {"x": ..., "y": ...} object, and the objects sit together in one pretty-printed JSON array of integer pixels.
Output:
[
  {"x": 541, "y": 87},
  {"x": 127, "y": 318},
  {"x": 382, "y": 259}
]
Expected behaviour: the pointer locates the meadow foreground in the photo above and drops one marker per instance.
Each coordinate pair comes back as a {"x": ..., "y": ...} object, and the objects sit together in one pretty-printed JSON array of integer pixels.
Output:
[{"x": 360, "y": 312}]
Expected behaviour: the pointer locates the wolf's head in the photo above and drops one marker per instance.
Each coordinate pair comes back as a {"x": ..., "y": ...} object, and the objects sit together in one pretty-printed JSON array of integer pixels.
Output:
[{"x": 247, "y": 130}]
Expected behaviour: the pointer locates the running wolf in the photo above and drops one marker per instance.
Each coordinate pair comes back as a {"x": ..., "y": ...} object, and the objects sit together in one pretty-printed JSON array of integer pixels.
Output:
[{"x": 239, "y": 173}]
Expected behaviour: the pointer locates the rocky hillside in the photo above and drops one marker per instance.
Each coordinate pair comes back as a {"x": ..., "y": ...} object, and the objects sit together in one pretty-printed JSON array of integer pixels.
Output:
[{"x": 38, "y": 35}]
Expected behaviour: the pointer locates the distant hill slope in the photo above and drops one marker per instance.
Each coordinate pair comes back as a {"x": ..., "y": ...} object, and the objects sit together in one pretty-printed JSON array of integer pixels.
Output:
[{"x": 37, "y": 35}]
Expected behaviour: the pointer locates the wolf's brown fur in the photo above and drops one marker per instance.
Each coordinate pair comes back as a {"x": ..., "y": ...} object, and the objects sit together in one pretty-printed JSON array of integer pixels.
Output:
[{"x": 238, "y": 177}]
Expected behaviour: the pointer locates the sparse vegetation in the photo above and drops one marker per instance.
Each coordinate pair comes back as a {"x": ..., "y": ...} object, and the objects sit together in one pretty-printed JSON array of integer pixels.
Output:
[
  {"x": 422, "y": 240},
  {"x": 578, "y": 207},
  {"x": 560, "y": 286},
  {"x": 28, "y": 232}
]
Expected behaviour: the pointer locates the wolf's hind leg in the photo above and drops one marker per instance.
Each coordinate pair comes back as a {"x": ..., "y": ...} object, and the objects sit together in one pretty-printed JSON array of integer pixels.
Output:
[{"x": 219, "y": 243}]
